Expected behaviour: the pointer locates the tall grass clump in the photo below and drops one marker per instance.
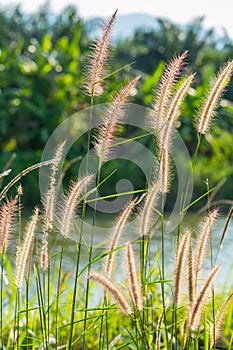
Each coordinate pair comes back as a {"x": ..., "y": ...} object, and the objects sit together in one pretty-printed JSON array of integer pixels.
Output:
[{"x": 60, "y": 291}]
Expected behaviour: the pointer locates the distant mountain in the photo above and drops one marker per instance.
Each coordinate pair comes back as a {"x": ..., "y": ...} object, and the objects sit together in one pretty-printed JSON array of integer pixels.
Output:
[{"x": 125, "y": 25}]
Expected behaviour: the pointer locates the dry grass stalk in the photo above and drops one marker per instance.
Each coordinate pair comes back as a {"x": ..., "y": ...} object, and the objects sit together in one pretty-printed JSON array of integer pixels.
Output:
[
  {"x": 204, "y": 237},
  {"x": 165, "y": 91},
  {"x": 148, "y": 209},
  {"x": 115, "y": 235},
  {"x": 133, "y": 280},
  {"x": 211, "y": 99},
  {"x": 7, "y": 220},
  {"x": 119, "y": 298},
  {"x": 98, "y": 60},
  {"x": 179, "y": 264},
  {"x": 71, "y": 202},
  {"x": 113, "y": 115},
  {"x": 24, "y": 249},
  {"x": 196, "y": 312}
]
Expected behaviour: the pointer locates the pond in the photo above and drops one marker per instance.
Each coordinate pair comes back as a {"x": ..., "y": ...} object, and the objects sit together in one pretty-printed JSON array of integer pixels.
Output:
[{"x": 220, "y": 255}]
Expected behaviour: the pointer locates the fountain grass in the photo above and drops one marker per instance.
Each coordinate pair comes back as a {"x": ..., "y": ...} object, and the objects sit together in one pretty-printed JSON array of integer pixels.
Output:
[{"x": 45, "y": 306}]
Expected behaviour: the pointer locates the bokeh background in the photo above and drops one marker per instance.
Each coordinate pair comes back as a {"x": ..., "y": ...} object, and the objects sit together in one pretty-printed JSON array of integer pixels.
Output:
[{"x": 44, "y": 48}]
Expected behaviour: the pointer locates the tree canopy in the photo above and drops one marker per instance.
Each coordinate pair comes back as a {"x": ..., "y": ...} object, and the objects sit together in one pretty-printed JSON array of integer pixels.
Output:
[{"x": 42, "y": 76}]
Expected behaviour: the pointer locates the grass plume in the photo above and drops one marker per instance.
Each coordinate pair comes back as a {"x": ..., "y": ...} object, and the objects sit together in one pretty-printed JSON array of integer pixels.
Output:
[
  {"x": 195, "y": 312},
  {"x": 215, "y": 329},
  {"x": 115, "y": 235},
  {"x": 207, "y": 110},
  {"x": 107, "y": 284},
  {"x": 98, "y": 60},
  {"x": 204, "y": 236},
  {"x": 165, "y": 91},
  {"x": 181, "y": 255},
  {"x": 165, "y": 135},
  {"x": 70, "y": 204},
  {"x": 24, "y": 249},
  {"x": 113, "y": 116},
  {"x": 148, "y": 209},
  {"x": 49, "y": 203},
  {"x": 191, "y": 275},
  {"x": 50, "y": 198},
  {"x": 164, "y": 170},
  {"x": 8, "y": 211},
  {"x": 132, "y": 274}
]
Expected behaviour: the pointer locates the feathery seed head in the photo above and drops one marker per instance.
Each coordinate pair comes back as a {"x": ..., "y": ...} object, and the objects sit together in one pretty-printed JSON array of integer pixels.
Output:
[
  {"x": 165, "y": 90},
  {"x": 133, "y": 280},
  {"x": 180, "y": 263},
  {"x": 71, "y": 202},
  {"x": 98, "y": 60},
  {"x": 7, "y": 220},
  {"x": 147, "y": 212},
  {"x": 191, "y": 275},
  {"x": 164, "y": 170},
  {"x": 24, "y": 249},
  {"x": 196, "y": 312},
  {"x": 215, "y": 329},
  {"x": 20, "y": 190},
  {"x": 56, "y": 163},
  {"x": 44, "y": 257},
  {"x": 49, "y": 201},
  {"x": 166, "y": 133},
  {"x": 210, "y": 101},
  {"x": 116, "y": 233},
  {"x": 204, "y": 237},
  {"x": 113, "y": 116},
  {"x": 107, "y": 284}
]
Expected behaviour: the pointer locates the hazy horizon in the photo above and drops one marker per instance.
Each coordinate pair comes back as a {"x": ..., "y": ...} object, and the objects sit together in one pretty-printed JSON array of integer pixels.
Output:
[{"x": 217, "y": 14}]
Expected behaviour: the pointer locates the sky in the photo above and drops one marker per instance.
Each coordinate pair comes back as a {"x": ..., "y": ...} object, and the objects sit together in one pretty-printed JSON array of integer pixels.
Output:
[{"x": 218, "y": 13}]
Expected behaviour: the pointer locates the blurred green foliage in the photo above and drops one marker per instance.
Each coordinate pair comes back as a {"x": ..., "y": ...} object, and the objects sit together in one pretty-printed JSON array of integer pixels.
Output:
[{"x": 42, "y": 74}]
